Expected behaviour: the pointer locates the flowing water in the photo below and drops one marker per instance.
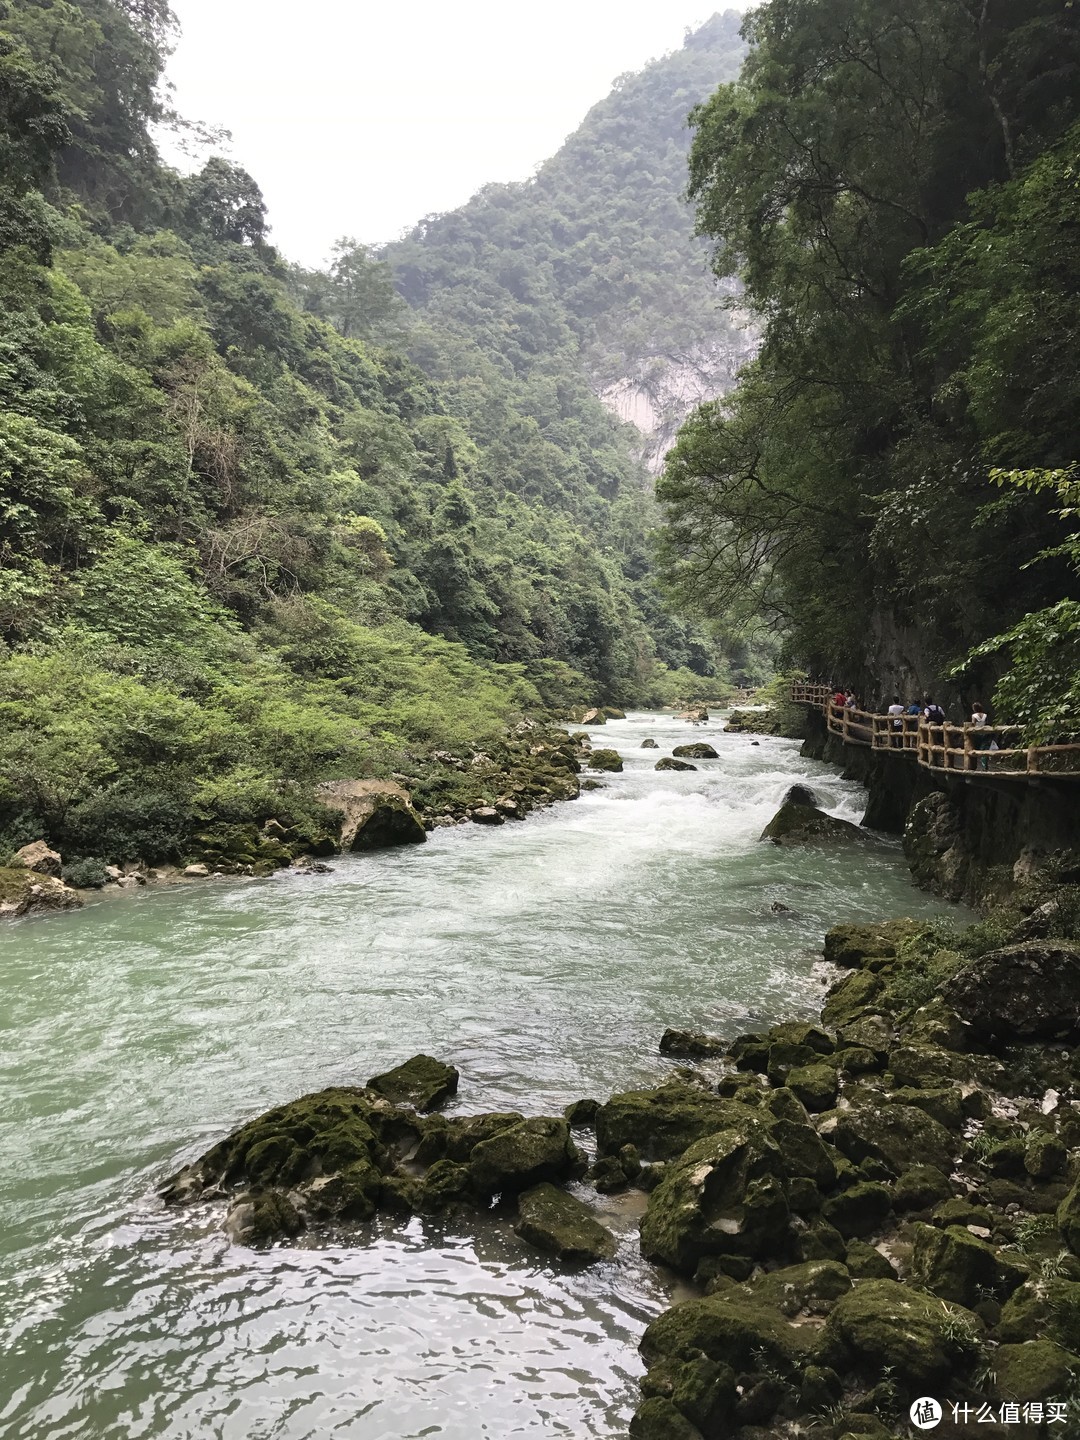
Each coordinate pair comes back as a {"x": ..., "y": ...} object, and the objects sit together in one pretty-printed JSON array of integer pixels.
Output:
[{"x": 544, "y": 959}]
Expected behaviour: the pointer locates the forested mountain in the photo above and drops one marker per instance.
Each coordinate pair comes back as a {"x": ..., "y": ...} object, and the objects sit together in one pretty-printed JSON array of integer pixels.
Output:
[
  {"x": 591, "y": 268},
  {"x": 247, "y": 542},
  {"x": 897, "y": 185}
]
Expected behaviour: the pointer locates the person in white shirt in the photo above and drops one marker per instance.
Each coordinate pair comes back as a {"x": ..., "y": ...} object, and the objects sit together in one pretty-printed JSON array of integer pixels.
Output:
[{"x": 896, "y": 710}]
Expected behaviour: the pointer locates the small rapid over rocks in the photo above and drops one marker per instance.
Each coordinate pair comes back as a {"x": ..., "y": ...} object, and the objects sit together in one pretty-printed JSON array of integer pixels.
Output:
[{"x": 543, "y": 959}]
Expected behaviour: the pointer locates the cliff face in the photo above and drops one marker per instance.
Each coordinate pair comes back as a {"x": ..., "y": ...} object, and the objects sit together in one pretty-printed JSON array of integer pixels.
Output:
[{"x": 658, "y": 392}]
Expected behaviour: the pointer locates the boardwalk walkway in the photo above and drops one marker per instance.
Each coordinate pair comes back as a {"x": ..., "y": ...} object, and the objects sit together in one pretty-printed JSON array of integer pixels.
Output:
[{"x": 958, "y": 749}]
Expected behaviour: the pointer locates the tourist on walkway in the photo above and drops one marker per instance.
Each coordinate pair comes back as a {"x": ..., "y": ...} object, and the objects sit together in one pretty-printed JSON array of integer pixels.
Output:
[
  {"x": 933, "y": 713},
  {"x": 849, "y": 700},
  {"x": 896, "y": 710},
  {"x": 983, "y": 737}
]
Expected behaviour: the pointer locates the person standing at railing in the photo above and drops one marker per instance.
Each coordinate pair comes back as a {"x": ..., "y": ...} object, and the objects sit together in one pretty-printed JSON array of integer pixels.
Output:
[
  {"x": 839, "y": 699},
  {"x": 896, "y": 724},
  {"x": 933, "y": 713},
  {"x": 983, "y": 737},
  {"x": 849, "y": 700},
  {"x": 914, "y": 708}
]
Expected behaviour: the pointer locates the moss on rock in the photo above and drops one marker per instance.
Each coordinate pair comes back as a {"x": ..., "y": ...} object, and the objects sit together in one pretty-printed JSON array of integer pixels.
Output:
[
  {"x": 558, "y": 1223},
  {"x": 883, "y": 1324}
]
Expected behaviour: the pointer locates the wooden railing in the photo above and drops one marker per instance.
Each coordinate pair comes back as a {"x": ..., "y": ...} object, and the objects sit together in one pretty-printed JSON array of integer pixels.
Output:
[
  {"x": 806, "y": 694},
  {"x": 971, "y": 750}
]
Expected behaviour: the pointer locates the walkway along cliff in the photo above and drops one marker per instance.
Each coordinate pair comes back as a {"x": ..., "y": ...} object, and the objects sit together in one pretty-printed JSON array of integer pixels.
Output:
[{"x": 975, "y": 822}]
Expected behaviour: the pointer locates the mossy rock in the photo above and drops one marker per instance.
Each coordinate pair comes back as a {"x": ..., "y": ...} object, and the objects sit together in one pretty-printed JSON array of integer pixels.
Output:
[
  {"x": 662, "y": 1122},
  {"x": 582, "y": 1113},
  {"x": 882, "y": 1325},
  {"x": 422, "y": 1082},
  {"x": 868, "y": 1031},
  {"x": 1068, "y": 1218},
  {"x": 446, "y": 1183},
  {"x": 523, "y": 1155},
  {"x": 920, "y": 1188},
  {"x": 945, "y": 1103},
  {"x": 807, "y": 825},
  {"x": 691, "y": 1043},
  {"x": 1035, "y": 1370},
  {"x": 862, "y": 1209},
  {"x": 612, "y": 712},
  {"x": 803, "y": 1152},
  {"x": 317, "y": 1134},
  {"x": 735, "y": 1331},
  {"x": 818, "y": 1240},
  {"x": 1049, "y": 1309},
  {"x": 815, "y": 1085},
  {"x": 852, "y": 945},
  {"x": 453, "y": 1138},
  {"x": 892, "y": 1134},
  {"x": 927, "y": 1066},
  {"x": 1025, "y": 991},
  {"x": 864, "y": 1262},
  {"x": 658, "y": 1419},
  {"x": 262, "y": 1218},
  {"x": 699, "y": 750},
  {"x": 605, "y": 760},
  {"x": 721, "y": 1197},
  {"x": 936, "y": 1024},
  {"x": 813, "y": 1286},
  {"x": 797, "y": 1032},
  {"x": 1044, "y": 1155},
  {"x": 349, "y": 1194},
  {"x": 551, "y": 1220},
  {"x": 649, "y": 744},
  {"x": 846, "y": 1001},
  {"x": 390, "y": 821},
  {"x": 669, "y": 763},
  {"x": 957, "y": 1266},
  {"x": 784, "y": 1056}
]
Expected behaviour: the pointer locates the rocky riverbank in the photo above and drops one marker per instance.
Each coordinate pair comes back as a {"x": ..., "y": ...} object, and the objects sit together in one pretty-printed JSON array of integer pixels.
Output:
[
  {"x": 533, "y": 766},
  {"x": 873, "y": 1207}
]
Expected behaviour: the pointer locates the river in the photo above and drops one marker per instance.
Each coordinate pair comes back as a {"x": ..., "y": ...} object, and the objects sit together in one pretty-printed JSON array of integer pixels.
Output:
[{"x": 543, "y": 958}]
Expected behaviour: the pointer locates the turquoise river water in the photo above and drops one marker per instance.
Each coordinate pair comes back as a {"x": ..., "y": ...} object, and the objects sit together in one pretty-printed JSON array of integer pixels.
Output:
[{"x": 543, "y": 958}]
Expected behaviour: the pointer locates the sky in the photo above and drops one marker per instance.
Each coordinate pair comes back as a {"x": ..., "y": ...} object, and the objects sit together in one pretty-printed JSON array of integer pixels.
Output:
[{"x": 358, "y": 118}]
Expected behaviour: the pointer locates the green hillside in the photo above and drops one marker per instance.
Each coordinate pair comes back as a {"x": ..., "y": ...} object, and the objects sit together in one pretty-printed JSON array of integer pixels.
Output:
[{"x": 262, "y": 527}]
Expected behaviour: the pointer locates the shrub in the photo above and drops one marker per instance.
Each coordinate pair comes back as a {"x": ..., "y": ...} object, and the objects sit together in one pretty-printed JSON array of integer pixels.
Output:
[{"x": 88, "y": 874}]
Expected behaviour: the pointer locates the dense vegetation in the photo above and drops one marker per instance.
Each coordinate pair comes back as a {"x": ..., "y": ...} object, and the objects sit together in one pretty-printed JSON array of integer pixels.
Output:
[
  {"x": 534, "y": 298},
  {"x": 246, "y": 543},
  {"x": 897, "y": 184}
]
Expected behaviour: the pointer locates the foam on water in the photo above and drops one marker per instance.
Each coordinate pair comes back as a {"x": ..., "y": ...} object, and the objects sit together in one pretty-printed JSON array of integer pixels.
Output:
[{"x": 544, "y": 958}]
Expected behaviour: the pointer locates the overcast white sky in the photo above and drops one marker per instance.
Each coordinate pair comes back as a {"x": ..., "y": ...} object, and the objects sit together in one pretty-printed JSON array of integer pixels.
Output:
[{"x": 357, "y": 117}]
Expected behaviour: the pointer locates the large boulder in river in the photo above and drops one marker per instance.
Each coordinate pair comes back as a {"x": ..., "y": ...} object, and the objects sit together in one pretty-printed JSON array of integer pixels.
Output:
[
  {"x": 1028, "y": 991},
  {"x": 669, "y": 764},
  {"x": 421, "y": 1082},
  {"x": 593, "y": 717},
  {"x": 523, "y": 1155},
  {"x": 26, "y": 892},
  {"x": 552, "y": 1220},
  {"x": 649, "y": 744},
  {"x": 375, "y": 813},
  {"x": 795, "y": 824},
  {"x": 800, "y": 795},
  {"x": 605, "y": 760},
  {"x": 699, "y": 750}
]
